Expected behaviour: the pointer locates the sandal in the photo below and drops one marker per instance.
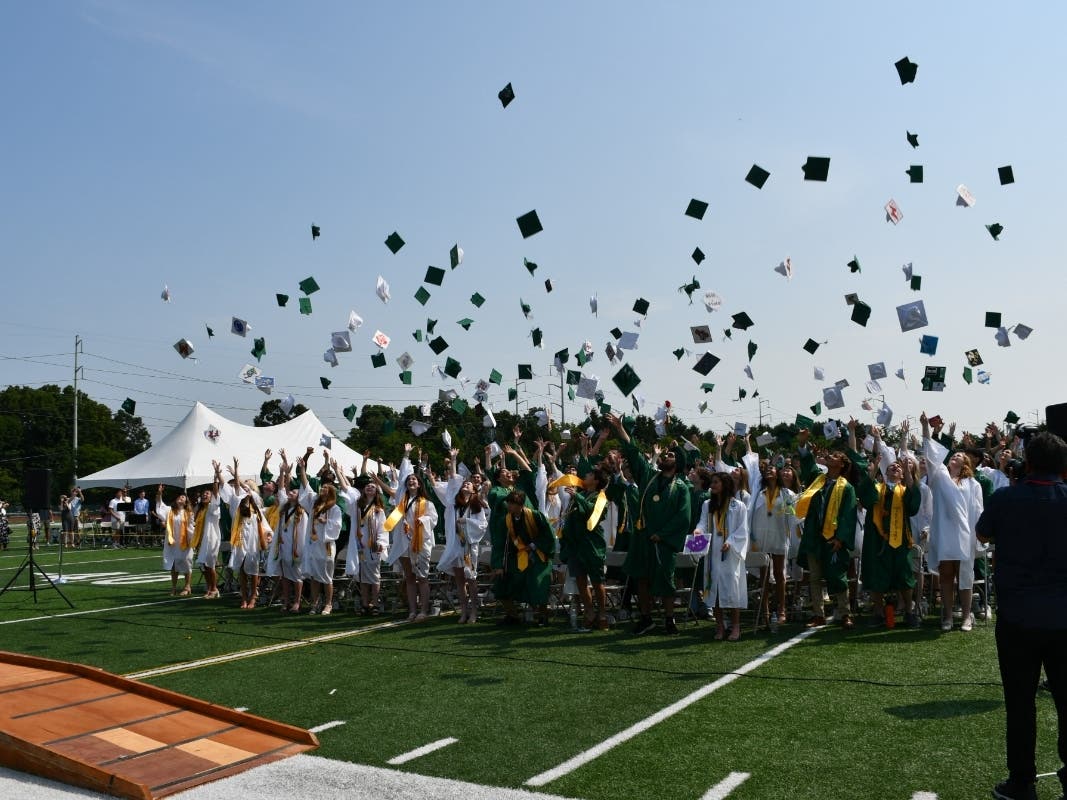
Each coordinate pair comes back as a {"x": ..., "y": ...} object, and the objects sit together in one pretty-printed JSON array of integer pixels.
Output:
[
  {"x": 720, "y": 633},
  {"x": 735, "y": 635}
]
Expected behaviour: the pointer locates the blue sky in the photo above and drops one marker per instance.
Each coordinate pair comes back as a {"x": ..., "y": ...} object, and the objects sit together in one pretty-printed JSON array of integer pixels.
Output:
[{"x": 193, "y": 144}]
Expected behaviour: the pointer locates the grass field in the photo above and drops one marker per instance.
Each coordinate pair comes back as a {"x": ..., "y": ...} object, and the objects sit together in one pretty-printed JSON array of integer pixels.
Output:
[{"x": 879, "y": 714}]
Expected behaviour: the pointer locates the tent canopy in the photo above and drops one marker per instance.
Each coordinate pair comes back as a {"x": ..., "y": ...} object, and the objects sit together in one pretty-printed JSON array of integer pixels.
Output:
[{"x": 183, "y": 457}]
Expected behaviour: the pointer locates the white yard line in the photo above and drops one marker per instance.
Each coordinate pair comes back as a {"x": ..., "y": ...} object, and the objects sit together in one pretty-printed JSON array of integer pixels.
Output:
[
  {"x": 640, "y": 727},
  {"x": 723, "y": 788},
  {"x": 418, "y": 752},
  {"x": 326, "y": 726},
  {"x": 924, "y": 796},
  {"x": 96, "y": 611}
]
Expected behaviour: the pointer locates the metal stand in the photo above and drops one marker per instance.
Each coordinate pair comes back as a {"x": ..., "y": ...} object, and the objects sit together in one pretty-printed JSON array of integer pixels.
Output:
[{"x": 31, "y": 564}]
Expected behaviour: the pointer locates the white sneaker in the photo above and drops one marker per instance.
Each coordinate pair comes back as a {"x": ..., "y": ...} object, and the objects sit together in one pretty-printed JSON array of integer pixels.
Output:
[{"x": 968, "y": 623}]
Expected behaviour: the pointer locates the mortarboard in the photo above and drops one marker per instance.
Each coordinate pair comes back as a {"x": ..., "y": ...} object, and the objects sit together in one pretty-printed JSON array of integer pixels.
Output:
[
  {"x": 928, "y": 345},
  {"x": 830, "y": 429},
  {"x": 308, "y": 285},
  {"x": 689, "y": 288},
  {"x": 816, "y": 168},
  {"x": 892, "y": 212},
  {"x": 531, "y": 267},
  {"x": 562, "y": 356},
  {"x": 995, "y": 230},
  {"x": 752, "y": 347},
  {"x": 628, "y": 340},
  {"x": 915, "y": 173},
  {"x": 405, "y": 377},
  {"x": 817, "y": 408},
  {"x": 707, "y": 387},
  {"x": 641, "y": 306},
  {"x": 913, "y": 139},
  {"x": 968, "y": 376},
  {"x": 525, "y": 307},
  {"x": 305, "y": 305},
  {"x": 459, "y": 405},
  {"x": 983, "y": 376},
  {"x": 382, "y": 289},
  {"x": 1002, "y": 337},
  {"x": 877, "y": 371},
  {"x": 729, "y": 334},
  {"x": 974, "y": 358},
  {"x": 165, "y": 294},
  {"x": 548, "y": 284},
  {"x": 916, "y": 282},
  {"x": 286, "y": 404},
  {"x": 377, "y": 360},
  {"x": 381, "y": 339},
  {"x": 315, "y": 230},
  {"x": 394, "y": 242},
  {"x": 701, "y": 334},
  {"x": 418, "y": 427},
  {"x": 525, "y": 372},
  {"x": 587, "y": 387},
  {"x": 573, "y": 376},
  {"x": 906, "y": 69},
  {"x": 430, "y": 325},
  {"x": 211, "y": 333},
  {"x": 249, "y": 373},
  {"x": 355, "y": 321},
  {"x": 811, "y": 346},
  {"x": 438, "y": 345},
  {"x": 350, "y": 412},
  {"x": 477, "y": 299},
  {"x": 785, "y": 268},
  {"x": 885, "y": 415},
  {"x": 742, "y": 321},
  {"x": 992, "y": 319},
  {"x": 934, "y": 379},
  {"x": 529, "y": 224},
  {"x": 325, "y": 440},
  {"x": 238, "y": 326},
  {"x": 422, "y": 295},
  {"x": 584, "y": 354},
  {"x": 452, "y": 367},
  {"x": 592, "y": 304},
  {"x": 698, "y": 255},
  {"x": 696, "y": 209},
  {"x": 465, "y": 323},
  {"x": 757, "y": 176},
  {"x": 1011, "y": 418},
  {"x": 341, "y": 341},
  {"x": 259, "y": 348},
  {"x": 909, "y": 270},
  {"x": 712, "y": 301},
  {"x": 741, "y": 393},
  {"x": 808, "y": 422},
  {"x": 1006, "y": 174},
  {"x": 748, "y": 372},
  {"x": 129, "y": 406},
  {"x": 679, "y": 353},
  {"x": 832, "y": 397},
  {"x": 404, "y": 360},
  {"x": 455, "y": 256},
  {"x": 513, "y": 393},
  {"x": 616, "y": 333},
  {"x": 705, "y": 364},
  {"x": 536, "y": 336},
  {"x": 964, "y": 196},
  {"x": 495, "y": 377},
  {"x": 854, "y": 264},
  {"x": 434, "y": 275},
  {"x": 417, "y": 334},
  {"x": 861, "y": 312},
  {"x": 912, "y": 316},
  {"x": 506, "y": 95},
  {"x": 852, "y": 298},
  {"x": 819, "y": 374},
  {"x": 325, "y": 382},
  {"x": 1022, "y": 331}
]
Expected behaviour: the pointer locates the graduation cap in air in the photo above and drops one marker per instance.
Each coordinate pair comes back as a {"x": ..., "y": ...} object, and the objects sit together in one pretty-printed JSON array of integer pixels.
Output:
[
  {"x": 417, "y": 334},
  {"x": 405, "y": 361},
  {"x": 382, "y": 289},
  {"x": 913, "y": 139},
  {"x": 350, "y": 412},
  {"x": 355, "y": 321},
  {"x": 861, "y": 312},
  {"x": 165, "y": 294},
  {"x": 129, "y": 406},
  {"x": 211, "y": 333},
  {"x": 698, "y": 256},
  {"x": 912, "y": 316},
  {"x": 381, "y": 339},
  {"x": 696, "y": 209},
  {"x": 460, "y": 406},
  {"x": 974, "y": 358},
  {"x": 477, "y": 299},
  {"x": 707, "y": 387},
  {"x": 239, "y": 326},
  {"x": 525, "y": 307},
  {"x": 995, "y": 230},
  {"x": 712, "y": 301},
  {"x": 495, "y": 377},
  {"x": 877, "y": 371},
  {"x": 377, "y": 360},
  {"x": 286, "y": 404},
  {"x": 506, "y": 95},
  {"x": 455, "y": 256},
  {"x": 628, "y": 340},
  {"x": 705, "y": 364},
  {"x": 438, "y": 345},
  {"x": 992, "y": 319},
  {"x": 562, "y": 356},
  {"x": 928, "y": 345},
  {"x": 330, "y": 357},
  {"x": 405, "y": 377},
  {"x": 1022, "y": 331},
  {"x": 934, "y": 379},
  {"x": 1011, "y": 418},
  {"x": 548, "y": 284},
  {"x": 305, "y": 305},
  {"x": 701, "y": 334},
  {"x": 729, "y": 334},
  {"x": 893, "y": 213},
  {"x": 742, "y": 321},
  {"x": 741, "y": 393},
  {"x": 309, "y": 285},
  {"x": 1006, "y": 175},
  {"x": 832, "y": 397},
  {"x": 525, "y": 372},
  {"x": 816, "y": 168},
  {"x": 616, "y": 333},
  {"x": 906, "y": 69},
  {"x": 689, "y": 288},
  {"x": 592, "y": 305},
  {"x": 325, "y": 382},
  {"x": 573, "y": 376},
  {"x": 259, "y": 348},
  {"x": 315, "y": 231},
  {"x": 1003, "y": 340},
  {"x": 531, "y": 267},
  {"x": 815, "y": 409},
  {"x": 422, "y": 295},
  {"x": 394, "y": 242},
  {"x": 513, "y": 393},
  {"x": 679, "y": 353},
  {"x": 465, "y": 323},
  {"x": 757, "y": 176},
  {"x": 964, "y": 196},
  {"x": 785, "y": 268},
  {"x": 641, "y": 306},
  {"x": 968, "y": 375},
  {"x": 854, "y": 264},
  {"x": 452, "y": 367},
  {"x": 752, "y": 347},
  {"x": 282, "y": 299},
  {"x": 434, "y": 275},
  {"x": 915, "y": 173},
  {"x": 536, "y": 336},
  {"x": 430, "y": 325},
  {"x": 916, "y": 282},
  {"x": 529, "y": 224},
  {"x": 811, "y": 346}
]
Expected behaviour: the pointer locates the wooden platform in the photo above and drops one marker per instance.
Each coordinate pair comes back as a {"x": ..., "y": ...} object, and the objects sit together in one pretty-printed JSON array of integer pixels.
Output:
[{"x": 89, "y": 728}]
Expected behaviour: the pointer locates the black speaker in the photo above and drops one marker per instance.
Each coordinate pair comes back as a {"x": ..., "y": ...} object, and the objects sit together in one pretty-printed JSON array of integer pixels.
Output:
[
  {"x": 38, "y": 489},
  {"x": 1056, "y": 419}
]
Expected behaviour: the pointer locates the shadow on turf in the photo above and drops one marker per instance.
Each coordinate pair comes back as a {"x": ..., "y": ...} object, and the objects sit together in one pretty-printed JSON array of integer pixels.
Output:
[{"x": 944, "y": 709}]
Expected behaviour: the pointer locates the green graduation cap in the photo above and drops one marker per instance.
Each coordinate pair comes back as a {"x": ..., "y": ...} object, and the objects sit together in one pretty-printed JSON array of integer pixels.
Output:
[
  {"x": 581, "y": 357},
  {"x": 422, "y": 295},
  {"x": 707, "y": 387},
  {"x": 689, "y": 288},
  {"x": 455, "y": 256},
  {"x": 816, "y": 409},
  {"x": 525, "y": 307},
  {"x": 477, "y": 299},
  {"x": 259, "y": 348},
  {"x": 741, "y": 393},
  {"x": 854, "y": 264},
  {"x": 430, "y": 325},
  {"x": 906, "y": 70},
  {"x": 531, "y": 267},
  {"x": 742, "y": 321},
  {"x": 752, "y": 347},
  {"x": 388, "y": 426},
  {"x": 452, "y": 367},
  {"x": 315, "y": 231},
  {"x": 574, "y": 376},
  {"x": 325, "y": 382},
  {"x": 570, "y": 393},
  {"x": 563, "y": 356},
  {"x": 434, "y": 275},
  {"x": 459, "y": 405},
  {"x": 1011, "y": 418},
  {"x": 129, "y": 406},
  {"x": 529, "y": 224},
  {"x": 495, "y": 377},
  {"x": 525, "y": 372},
  {"x": 641, "y": 306},
  {"x": 394, "y": 242},
  {"x": 806, "y": 422},
  {"x": 417, "y": 334},
  {"x": 535, "y": 334},
  {"x": 729, "y": 334},
  {"x": 1006, "y": 175},
  {"x": 916, "y": 282},
  {"x": 282, "y": 299},
  {"x": 405, "y": 377},
  {"x": 696, "y": 209},
  {"x": 915, "y": 172},
  {"x": 465, "y": 323},
  {"x": 308, "y": 286},
  {"x": 679, "y": 353},
  {"x": 698, "y": 255},
  {"x": 992, "y": 319},
  {"x": 210, "y": 333},
  {"x": 377, "y": 360},
  {"x": 757, "y": 176},
  {"x": 438, "y": 345},
  {"x": 605, "y": 408},
  {"x": 995, "y": 230},
  {"x": 913, "y": 139},
  {"x": 626, "y": 379},
  {"x": 350, "y": 412},
  {"x": 861, "y": 312},
  {"x": 811, "y": 346},
  {"x": 512, "y": 394},
  {"x": 305, "y": 305},
  {"x": 816, "y": 168},
  {"x": 967, "y": 374}
]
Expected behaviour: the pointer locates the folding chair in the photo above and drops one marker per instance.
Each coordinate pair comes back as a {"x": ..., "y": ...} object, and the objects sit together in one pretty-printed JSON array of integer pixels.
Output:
[
  {"x": 761, "y": 563},
  {"x": 983, "y": 586}
]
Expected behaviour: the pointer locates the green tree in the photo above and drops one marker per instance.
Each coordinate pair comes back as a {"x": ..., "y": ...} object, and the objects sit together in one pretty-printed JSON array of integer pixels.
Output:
[{"x": 270, "y": 413}]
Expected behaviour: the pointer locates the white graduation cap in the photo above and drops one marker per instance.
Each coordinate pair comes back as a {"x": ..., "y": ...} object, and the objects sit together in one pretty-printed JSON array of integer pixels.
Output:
[
  {"x": 325, "y": 441},
  {"x": 874, "y": 387},
  {"x": 638, "y": 400},
  {"x": 184, "y": 348},
  {"x": 820, "y": 374},
  {"x": 239, "y": 326},
  {"x": 712, "y": 301},
  {"x": 542, "y": 417},
  {"x": 463, "y": 469},
  {"x": 481, "y": 397},
  {"x": 418, "y": 427},
  {"x": 892, "y": 212},
  {"x": 1022, "y": 331},
  {"x": 830, "y": 429},
  {"x": 740, "y": 428},
  {"x": 382, "y": 289},
  {"x": 494, "y": 450},
  {"x": 341, "y": 342},
  {"x": 1002, "y": 337},
  {"x": 868, "y": 442},
  {"x": 628, "y": 341},
  {"x": 590, "y": 431},
  {"x": 964, "y": 196},
  {"x": 249, "y": 373},
  {"x": 165, "y": 294},
  {"x": 592, "y": 304},
  {"x": 908, "y": 271},
  {"x": 405, "y": 361},
  {"x": 983, "y": 376},
  {"x": 900, "y": 373},
  {"x": 912, "y": 316},
  {"x": 445, "y": 395},
  {"x": 885, "y": 415},
  {"x": 748, "y": 370},
  {"x": 424, "y": 409},
  {"x": 702, "y": 406},
  {"x": 877, "y": 370},
  {"x": 832, "y": 397},
  {"x": 381, "y": 340},
  {"x": 587, "y": 387},
  {"x": 488, "y": 421},
  {"x": 866, "y": 405},
  {"x": 438, "y": 372},
  {"x": 354, "y": 321},
  {"x": 764, "y": 439},
  {"x": 660, "y": 428},
  {"x": 689, "y": 447},
  {"x": 330, "y": 357},
  {"x": 265, "y": 384},
  {"x": 785, "y": 268},
  {"x": 565, "y": 435},
  {"x": 286, "y": 404}
]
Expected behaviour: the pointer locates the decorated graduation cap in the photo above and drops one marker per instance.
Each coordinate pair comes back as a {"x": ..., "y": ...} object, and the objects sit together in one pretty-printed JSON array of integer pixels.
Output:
[
  {"x": 915, "y": 173},
  {"x": 330, "y": 357},
  {"x": 394, "y": 242},
  {"x": 698, "y": 257},
  {"x": 757, "y": 176},
  {"x": 701, "y": 334},
  {"x": 811, "y": 346},
  {"x": 995, "y": 230},
  {"x": 992, "y": 319},
  {"x": 1006, "y": 175},
  {"x": 913, "y": 139},
  {"x": 816, "y": 168},
  {"x": 641, "y": 306},
  {"x": 906, "y": 70},
  {"x": 854, "y": 264},
  {"x": 861, "y": 312},
  {"x": 325, "y": 382},
  {"x": 305, "y": 305},
  {"x": 438, "y": 345},
  {"x": 1003, "y": 340},
  {"x": 309, "y": 285},
  {"x": 422, "y": 295},
  {"x": 928, "y": 345},
  {"x": 706, "y": 363},
  {"x": 239, "y": 326},
  {"x": 315, "y": 231},
  {"x": 506, "y": 95},
  {"x": 912, "y": 316},
  {"x": 696, "y": 209},
  {"x": 184, "y": 347},
  {"x": 529, "y": 224},
  {"x": 350, "y": 412},
  {"x": 934, "y": 379},
  {"x": 712, "y": 301},
  {"x": 832, "y": 397},
  {"x": 742, "y": 321}
]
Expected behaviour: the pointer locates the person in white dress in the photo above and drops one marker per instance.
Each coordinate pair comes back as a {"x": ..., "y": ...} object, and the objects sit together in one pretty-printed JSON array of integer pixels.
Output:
[
  {"x": 177, "y": 542},
  {"x": 291, "y": 541},
  {"x": 207, "y": 533},
  {"x": 317, "y": 562},
  {"x": 466, "y": 521},
  {"x": 250, "y": 535},
  {"x": 953, "y": 538},
  {"x": 368, "y": 545},
  {"x": 411, "y": 527},
  {"x": 772, "y": 523},
  {"x": 725, "y": 519}
]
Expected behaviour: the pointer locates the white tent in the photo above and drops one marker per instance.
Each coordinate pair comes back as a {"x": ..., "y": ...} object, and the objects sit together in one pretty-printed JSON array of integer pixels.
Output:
[{"x": 183, "y": 457}]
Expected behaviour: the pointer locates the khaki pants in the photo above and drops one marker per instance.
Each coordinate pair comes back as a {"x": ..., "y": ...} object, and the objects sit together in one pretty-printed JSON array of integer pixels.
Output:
[{"x": 815, "y": 587}]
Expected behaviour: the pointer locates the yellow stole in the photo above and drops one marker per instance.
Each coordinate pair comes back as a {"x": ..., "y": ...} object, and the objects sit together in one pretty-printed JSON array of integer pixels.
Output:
[
  {"x": 566, "y": 480},
  {"x": 235, "y": 531},
  {"x": 183, "y": 539},
  {"x": 273, "y": 514},
  {"x": 417, "y": 534},
  {"x": 519, "y": 542},
  {"x": 895, "y": 536},
  {"x": 198, "y": 529},
  {"x": 829, "y": 520},
  {"x": 598, "y": 510},
  {"x": 720, "y": 520}
]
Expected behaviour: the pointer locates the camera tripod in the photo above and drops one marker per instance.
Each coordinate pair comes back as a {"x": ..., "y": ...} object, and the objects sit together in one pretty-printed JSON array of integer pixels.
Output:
[{"x": 31, "y": 564}]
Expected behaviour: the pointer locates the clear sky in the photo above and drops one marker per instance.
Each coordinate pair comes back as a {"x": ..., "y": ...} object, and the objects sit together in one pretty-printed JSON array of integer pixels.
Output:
[{"x": 193, "y": 144}]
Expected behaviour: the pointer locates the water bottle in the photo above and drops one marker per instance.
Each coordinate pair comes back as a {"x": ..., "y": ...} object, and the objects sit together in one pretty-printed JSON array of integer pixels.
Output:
[
  {"x": 890, "y": 616},
  {"x": 574, "y": 616},
  {"x": 774, "y": 622}
]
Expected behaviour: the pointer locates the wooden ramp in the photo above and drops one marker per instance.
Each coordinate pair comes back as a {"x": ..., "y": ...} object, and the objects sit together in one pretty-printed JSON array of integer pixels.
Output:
[{"x": 89, "y": 728}]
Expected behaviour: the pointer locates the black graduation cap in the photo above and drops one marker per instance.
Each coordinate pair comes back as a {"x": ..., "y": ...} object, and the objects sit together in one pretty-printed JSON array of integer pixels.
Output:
[
  {"x": 430, "y": 325},
  {"x": 992, "y": 319},
  {"x": 679, "y": 353},
  {"x": 615, "y": 332},
  {"x": 455, "y": 256},
  {"x": 689, "y": 288},
  {"x": 525, "y": 307},
  {"x": 742, "y": 321},
  {"x": 906, "y": 70},
  {"x": 512, "y": 394},
  {"x": 705, "y": 364},
  {"x": 438, "y": 345},
  {"x": 626, "y": 379},
  {"x": 506, "y": 95},
  {"x": 210, "y": 333},
  {"x": 696, "y": 209},
  {"x": 563, "y": 356},
  {"x": 995, "y": 230},
  {"x": 913, "y": 139},
  {"x": 529, "y": 224},
  {"x": 452, "y": 367},
  {"x": 1011, "y": 418},
  {"x": 1006, "y": 175},
  {"x": 536, "y": 335},
  {"x": 816, "y": 168},
  {"x": 434, "y": 275},
  {"x": 811, "y": 346},
  {"x": 377, "y": 360},
  {"x": 729, "y": 334},
  {"x": 325, "y": 382},
  {"x": 394, "y": 242},
  {"x": 531, "y": 267},
  {"x": 525, "y": 372},
  {"x": 129, "y": 406},
  {"x": 422, "y": 295},
  {"x": 282, "y": 299},
  {"x": 573, "y": 377},
  {"x": 861, "y": 312},
  {"x": 350, "y": 412},
  {"x": 698, "y": 255},
  {"x": 314, "y": 232},
  {"x": 641, "y": 306},
  {"x": 548, "y": 284},
  {"x": 915, "y": 172},
  {"x": 757, "y": 176},
  {"x": 854, "y": 264},
  {"x": 916, "y": 282}
]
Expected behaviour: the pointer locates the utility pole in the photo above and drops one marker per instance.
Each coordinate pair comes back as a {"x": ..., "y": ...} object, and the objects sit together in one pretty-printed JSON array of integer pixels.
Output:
[
  {"x": 761, "y": 402},
  {"x": 517, "y": 385},
  {"x": 562, "y": 391},
  {"x": 77, "y": 369}
]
